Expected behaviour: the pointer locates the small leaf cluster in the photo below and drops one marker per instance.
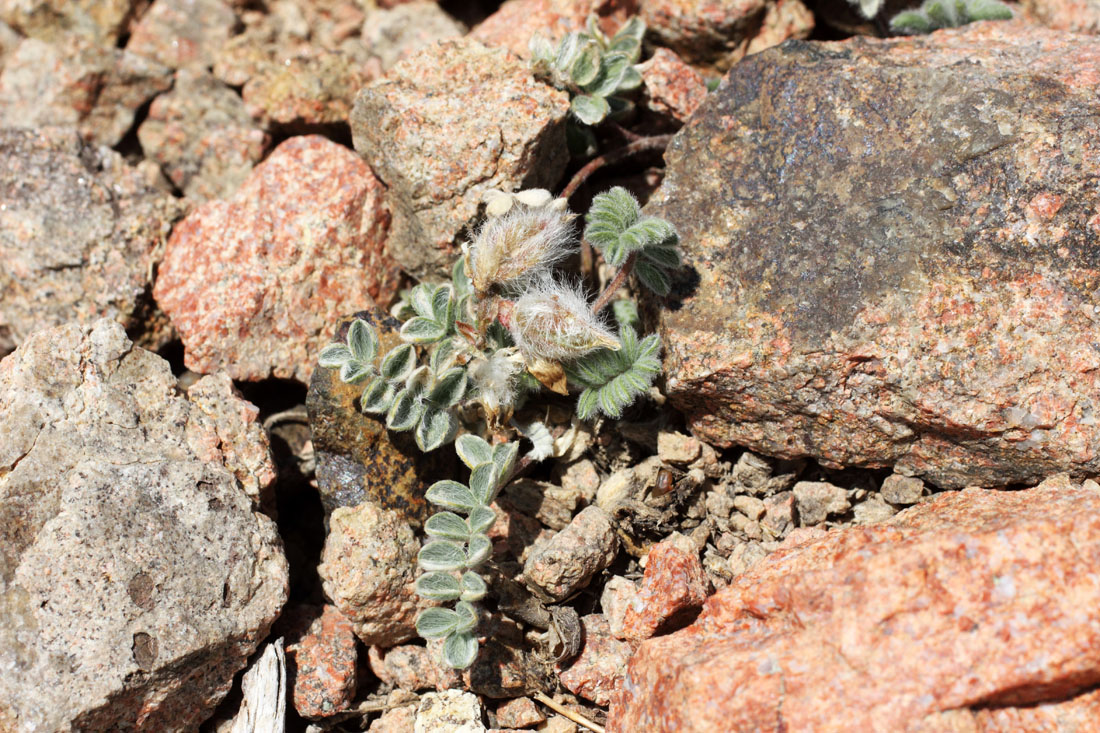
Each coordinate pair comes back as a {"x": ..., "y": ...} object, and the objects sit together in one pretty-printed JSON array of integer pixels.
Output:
[
  {"x": 935, "y": 14},
  {"x": 612, "y": 380},
  {"x": 594, "y": 69},
  {"x": 615, "y": 226},
  {"x": 459, "y": 545}
]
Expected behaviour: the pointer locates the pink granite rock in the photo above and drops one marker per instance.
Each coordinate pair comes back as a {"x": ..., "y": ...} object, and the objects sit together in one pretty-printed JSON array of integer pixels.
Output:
[
  {"x": 179, "y": 33},
  {"x": 411, "y": 667},
  {"x": 601, "y": 666},
  {"x": 673, "y": 590},
  {"x": 1079, "y": 16},
  {"x": 520, "y": 712},
  {"x": 305, "y": 93},
  {"x": 102, "y": 21},
  {"x": 255, "y": 284},
  {"x": 671, "y": 87},
  {"x": 975, "y": 604},
  {"x": 323, "y": 667},
  {"x": 513, "y": 24}
]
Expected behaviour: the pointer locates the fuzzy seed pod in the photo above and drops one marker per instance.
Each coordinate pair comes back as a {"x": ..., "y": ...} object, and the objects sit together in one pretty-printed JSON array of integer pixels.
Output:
[
  {"x": 520, "y": 246},
  {"x": 554, "y": 322}
]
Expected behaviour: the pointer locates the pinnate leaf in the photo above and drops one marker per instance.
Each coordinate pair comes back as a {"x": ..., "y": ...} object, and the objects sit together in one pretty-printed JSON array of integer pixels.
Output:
[
  {"x": 452, "y": 495},
  {"x": 442, "y": 555},
  {"x": 438, "y": 586},
  {"x": 448, "y": 526}
]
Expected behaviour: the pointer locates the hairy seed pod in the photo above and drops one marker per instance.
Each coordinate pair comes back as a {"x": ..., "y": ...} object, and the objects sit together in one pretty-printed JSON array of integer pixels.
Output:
[
  {"x": 554, "y": 322},
  {"x": 520, "y": 246}
]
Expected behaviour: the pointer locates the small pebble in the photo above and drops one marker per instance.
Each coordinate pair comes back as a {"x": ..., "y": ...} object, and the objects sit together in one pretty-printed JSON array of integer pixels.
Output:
[
  {"x": 566, "y": 563},
  {"x": 750, "y": 506},
  {"x": 453, "y": 711},
  {"x": 873, "y": 510},
  {"x": 778, "y": 514},
  {"x": 676, "y": 447},
  {"x": 817, "y": 500},
  {"x": 904, "y": 490},
  {"x": 673, "y": 589},
  {"x": 520, "y": 712}
]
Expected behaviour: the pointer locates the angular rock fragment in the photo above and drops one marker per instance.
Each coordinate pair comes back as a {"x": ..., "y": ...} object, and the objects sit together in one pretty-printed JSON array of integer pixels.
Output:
[
  {"x": 312, "y": 93},
  {"x": 566, "y": 563},
  {"x": 975, "y": 604},
  {"x": 444, "y": 126},
  {"x": 101, "y": 21},
  {"x": 401, "y": 31},
  {"x": 79, "y": 235},
  {"x": 179, "y": 33},
  {"x": 1079, "y": 16},
  {"x": 817, "y": 500},
  {"x": 673, "y": 590},
  {"x": 254, "y": 284},
  {"x": 513, "y": 24},
  {"x": 903, "y": 271},
  {"x": 322, "y": 662},
  {"x": 601, "y": 666},
  {"x": 130, "y": 557}
]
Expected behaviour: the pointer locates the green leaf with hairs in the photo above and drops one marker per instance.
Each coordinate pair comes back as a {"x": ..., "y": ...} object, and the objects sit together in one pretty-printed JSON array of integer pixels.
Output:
[
  {"x": 436, "y": 623},
  {"x": 588, "y": 109},
  {"x": 473, "y": 450},
  {"x": 483, "y": 482},
  {"x": 478, "y": 550},
  {"x": 439, "y": 586},
  {"x": 362, "y": 341},
  {"x": 473, "y": 587},
  {"x": 420, "y": 330},
  {"x": 452, "y": 495},
  {"x": 450, "y": 388},
  {"x": 377, "y": 396},
  {"x": 448, "y": 526},
  {"x": 460, "y": 649},
  {"x": 442, "y": 555},
  {"x": 481, "y": 519},
  {"x": 399, "y": 363},
  {"x": 334, "y": 356},
  {"x": 436, "y": 428}
]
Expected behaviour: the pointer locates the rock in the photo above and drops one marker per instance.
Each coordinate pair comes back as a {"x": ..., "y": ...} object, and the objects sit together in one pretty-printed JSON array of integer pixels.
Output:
[
  {"x": 79, "y": 233},
  {"x": 357, "y": 458},
  {"x": 750, "y": 506},
  {"x": 548, "y": 503},
  {"x": 202, "y": 136},
  {"x": 425, "y": 131},
  {"x": 779, "y": 514},
  {"x": 254, "y": 284},
  {"x": 75, "y": 82},
  {"x": 601, "y": 666},
  {"x": 322, "y": 662},
  {"x": 368, "y": 568},
  {"x": 306, "y": 93},
  {"x": 519, "y": 712},
  {"x": 450, "y": 710},
  {"x": 1078, "y": 16},
  {"x": 673, "y": 590},
  {"x": 394, "y": 34},
  {"x": 513, "y": 24},
  {"x": 581, "y": 479},
  {"x": 411, "y": 667},
  {"x": 179, "y": 33},
  {"x": 671, "y": 88},
  {"x": 102, "y": 21},
  {"x": 715, "y": 36},
  {"x": 618, "y": 488},
  {"x": 973, "y": 600},
  {"x": 400, "y": 717},
  {"x": 676, "y": 447},
  {"x": 9, "y": 39},
  {"x": 617, "y": 596},
  {"x": 898, "y": 489},
  {"x": 565, "y": 564},
  {"x": 130, "y": 557},
  {"x": 817, "y": 500},
  {"x": 920, "y": 305},
  {"x": 872, "y": 511}
]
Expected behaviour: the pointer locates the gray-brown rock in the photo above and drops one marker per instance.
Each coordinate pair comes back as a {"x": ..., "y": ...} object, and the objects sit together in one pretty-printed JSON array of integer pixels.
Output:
[
  {"x": 567, "y": 561},
  {"x": 102, "y": 21},
  {"x": 972, "y": 602},
  {"x": 444, "y": 126},
  {"x": 130, "y": 557},
  {"x": 411, "y": 667},
  {"x": 396, "y": 33},
  {"x": 368, "y": 568},
  {"x": 513, "y": 24},
  {"x": 818, "y": 500},
  {"x": 898, "y": 489},
  {"x": 908, "y": 284},
  {"x": 1079, "y": 16},
  {"x": 306, "y": 93},
  {"x": 179, "y": 33},
  {"x": 254, "y": 284},
  {"x": 79, "y": 233},
  {"x": 76, "y": 82},
  {"x": 451, "y": 710},
  {"x": 202, "y": 136}
]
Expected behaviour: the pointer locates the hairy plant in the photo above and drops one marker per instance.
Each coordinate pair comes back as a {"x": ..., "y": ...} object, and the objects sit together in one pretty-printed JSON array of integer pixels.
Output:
[
  {"x": 935, "y": 14},
  {"x": 617, "y": 229},
  {"x": 614, "y": 379}
]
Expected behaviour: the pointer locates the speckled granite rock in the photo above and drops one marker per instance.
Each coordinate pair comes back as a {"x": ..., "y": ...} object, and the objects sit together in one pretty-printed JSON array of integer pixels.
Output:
[
  {"x": 73, "y": 81},
  {"x": 715, "y": 35},
  {"x": 566, "y": 563},
  {"x": 903, "y": 271},
  {"x": 513, "y": 24},
  {"x": 322, "y": 663},
  {"x": 447, "y": 124},
  {"x": 974, "y": 599},
  {"x": 601, "y": 666},
  {"x": 255, "y": 283},
  {"x": 306, "y": 93},
  {"x": 79, "y": 233},
  {"x": 202, "y": 136},
  {"x": 394, "y": 34},
  {"x": 670, "y": 87},
  {"x": 98, "y": 20},
  {"x": 672, "y": 592},
  {"x": 1079, "y": 16},
  {"x": 179, "y": 33},
  {"x": 136, "y": 577}
]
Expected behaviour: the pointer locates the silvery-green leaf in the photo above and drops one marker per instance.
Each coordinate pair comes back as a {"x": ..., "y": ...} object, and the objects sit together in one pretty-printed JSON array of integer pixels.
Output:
[
  {"x": 397, "y": 364},
  {"x": 628, "y": 47},
  {"x": 443, "y": 356},
  {"x": 589, "y": 110},
  {"x": 611, "y": 72},
  {"x": 452, "y": 495},
  {"x": 631, "y": 79},
  {"x": 586, "y": 66},
  {"x": 652, "y": 277},
  {"x": 483, "y": 482},
  {"x": 419, "y": 381},
  {"x": 421, "y": 300},
  {"x": 449, "y": 389},
  {"x": 448, "y": 526},
  {"x": 568, "y": 49},
  {"x": 481, "y": 519},
  {"x": 592, "y": 26},
  {"x": 419, "y": 330},
  {"x": 459, "y": 650},
  {"x": 441, "y": 587},
  {"x": 377, "y": 396},
  {"x": 869, "y": 8},
  {"x": 334, "y": 356},
  {"x": 473, "y": 449},
  {"x": 473, "y": 587},
  {"x": 460, "y": 279},
  {"x": 354, "y": 371},
  {"x": 405, "y": 412},
  {"x": 467, "y": 616},
  {"x": 587, "y": 404},
  {"x": 633, "y": 28},
  {"x": 443, "y": 304},
  {"x": 611, "y": 214},
  {"x": 541, "y": 48},
  {"x": 626, "y": 313},
  {"x": 911, "y": 22},
  {"x": 363, "y": 341},
  {"x": 435, "y": 429},
  {"x": 442, "y": 555},
  {"x": 478, "y": 550},
  {"x": 647, "y": 231},
  {"x": 504, "y": 456},
  {"x": 435, "y": 623}
]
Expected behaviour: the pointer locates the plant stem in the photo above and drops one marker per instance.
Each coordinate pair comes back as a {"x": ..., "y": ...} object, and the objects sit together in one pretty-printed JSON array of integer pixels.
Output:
[
  {"x": 562, "y": 710},
  {"x": 641, "y": 145},
  {"x": 616, "y": 283}
]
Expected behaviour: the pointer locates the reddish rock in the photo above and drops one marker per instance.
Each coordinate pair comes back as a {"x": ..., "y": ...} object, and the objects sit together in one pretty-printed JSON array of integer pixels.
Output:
[
  {"x": 978, "y": 601},
  {"x": 202, "y": 136},
  {"x": 180, "y": 33},
  {"x": 79, "y": 233},
  {"x": 618, "y": 595},
  {"x": 255, "y": 283},
  {"x": 513, "y": 24},
  {"x": 313, "y": 92},
  {"x": 520, "y": 712},
  {"x": 601, "y": 666},
  {"x": 673, "y": 590},
  {"x": 1079, "y": 16},
  {"x": 906, "y": 304},
  {"x": 425, "y": 131},
  {"x": 76, "y": 82},
  {"x": 567, "y": 561},
  {"x": 783, "y": 20},
  {"x": 322, "y": 664},
  {"x": 671, "y": 87},
  {"x": 411, "y": 667}
]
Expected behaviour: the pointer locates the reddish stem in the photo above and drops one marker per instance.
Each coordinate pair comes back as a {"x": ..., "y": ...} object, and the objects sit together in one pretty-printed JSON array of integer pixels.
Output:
[
  {"x": 616, "y": 283},
  {"x": 641, "y": 145}
]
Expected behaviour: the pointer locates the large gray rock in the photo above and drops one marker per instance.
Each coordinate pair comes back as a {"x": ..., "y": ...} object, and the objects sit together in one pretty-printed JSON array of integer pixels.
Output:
[
  {"x": 79, "y": 234},
  {"x": 894, "y": 246},
  {"x": 444, "y": 126},
  {"x": 136, "y": 576}
]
